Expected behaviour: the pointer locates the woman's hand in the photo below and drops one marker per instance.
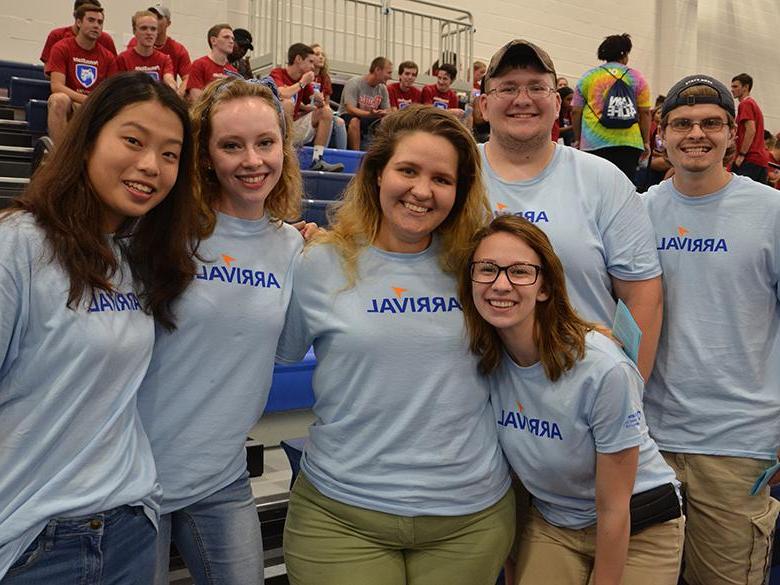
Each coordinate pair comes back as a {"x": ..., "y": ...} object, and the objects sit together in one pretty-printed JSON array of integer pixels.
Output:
[{"x": 308, "y": 229}]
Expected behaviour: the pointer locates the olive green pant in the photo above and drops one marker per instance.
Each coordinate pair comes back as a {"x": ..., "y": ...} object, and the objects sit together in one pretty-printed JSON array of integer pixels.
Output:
[{"x": 330, "y": 543}]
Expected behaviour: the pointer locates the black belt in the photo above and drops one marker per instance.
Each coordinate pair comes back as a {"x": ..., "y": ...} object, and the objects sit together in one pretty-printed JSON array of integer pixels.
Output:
[{"x": 654, "y": 506}]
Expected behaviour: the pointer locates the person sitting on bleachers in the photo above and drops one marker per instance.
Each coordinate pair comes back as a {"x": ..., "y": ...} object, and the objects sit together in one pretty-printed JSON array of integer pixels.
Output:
[
  {"x": 178, "y": 53},
  {"x": 440, "y": 94},
  {"x": 338, "y": 137},
  {"x": 365, "y": 100},
  {"x": 143, "y": 56},
  {"x": 404, "y": 93},
  {"x": 215, "y": 64},
  {"x": 71, "y": 31},
  {"x": 305, "y": 104},
  {"x": 238, "y": 59},
  {"x": 76, "y": 66}
]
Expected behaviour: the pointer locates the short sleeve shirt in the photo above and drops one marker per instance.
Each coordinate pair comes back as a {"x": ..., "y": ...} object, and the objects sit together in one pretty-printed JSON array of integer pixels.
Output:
[
  {"x": 83, "y": 69},
  {"x": 757, "y": 153},
  {"x": 156, "y": 65},
  {"x": 359, "y": 94},
  {"x": 176, "y": 51},
  {"x": 401, "y": 99},
  {"x": 590, "y": 94},
  {"x": 446, "y": 101},
  {"x": 204, "y": 70},
  {"x": 283, "y": 79}
]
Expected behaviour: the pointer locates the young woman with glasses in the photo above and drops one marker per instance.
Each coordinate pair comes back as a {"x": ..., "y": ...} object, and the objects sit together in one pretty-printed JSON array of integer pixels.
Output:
[
  {"x": 568, "y": 407},
  {"x": 402, "y": 479}
]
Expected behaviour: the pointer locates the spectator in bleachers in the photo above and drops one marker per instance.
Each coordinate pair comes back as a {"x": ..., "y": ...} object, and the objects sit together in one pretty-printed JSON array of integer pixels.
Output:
[
  {"x": 305, "y": 104},
  {"x": 197, "y": 414},
  {"x": 477, "y": 75},
  {"x": 562, "y": 82},
  {"x": 365, "y": 100},
  {"x": 213, "y": 65},
  {"x": 401, "y": 480},
  {"x": 65, "y": 32},
  {"x": 712, "y": 403},
  {"x": 774, "y": 165},
  {"x": 238, "y": 58},
  {"x": 323, "y": 82},
  {"x": 585, "y": 205},
  {"x": 752, "y": 157},
  {"x": 611, "y": 108},
  {"x": 76, "y": 66},
  {"x": 143, "y": 56},
  {"x": 565, "y": 128},
  {"x": 97, "y": 246},
  {"x": 165, "y": 44},
  {"x": 404, "y": 93},
  {"x": 439, "y": 94}
]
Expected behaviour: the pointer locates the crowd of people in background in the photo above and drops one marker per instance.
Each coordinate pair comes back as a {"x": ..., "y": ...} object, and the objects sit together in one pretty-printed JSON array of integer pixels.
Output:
[{"x": 148, "y": 289}]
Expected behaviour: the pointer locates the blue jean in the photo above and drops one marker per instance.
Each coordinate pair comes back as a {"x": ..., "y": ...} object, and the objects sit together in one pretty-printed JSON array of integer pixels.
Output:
[
  {"x": 116, "y": 547},
  {"x": 218, "y": 537},
  {"x": 338, "y": 134}
]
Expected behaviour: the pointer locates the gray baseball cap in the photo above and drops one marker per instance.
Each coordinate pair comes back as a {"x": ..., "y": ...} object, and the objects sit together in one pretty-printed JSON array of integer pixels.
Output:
[{"x": 161, "y": 10}]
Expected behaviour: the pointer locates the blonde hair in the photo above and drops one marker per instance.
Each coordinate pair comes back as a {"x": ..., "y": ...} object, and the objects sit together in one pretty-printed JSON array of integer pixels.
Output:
[
  {"x": 284, "y": 201},
  {"x": 355, "y": 223},
  {"x": 559, "y": 332}
]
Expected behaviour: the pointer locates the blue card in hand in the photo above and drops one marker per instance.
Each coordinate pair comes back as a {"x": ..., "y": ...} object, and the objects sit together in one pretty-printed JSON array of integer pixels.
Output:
[{"x": 626, "y": 331}]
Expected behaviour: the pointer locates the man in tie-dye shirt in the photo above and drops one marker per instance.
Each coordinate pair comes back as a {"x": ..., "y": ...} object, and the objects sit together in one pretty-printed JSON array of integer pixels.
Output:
[{"x": 621, "y": 146}]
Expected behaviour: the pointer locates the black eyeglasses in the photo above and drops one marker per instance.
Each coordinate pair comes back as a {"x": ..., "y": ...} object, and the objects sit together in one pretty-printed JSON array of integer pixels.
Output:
[
  {"x": 520, "y": 274},
  {"x": 707, "y": 125}
]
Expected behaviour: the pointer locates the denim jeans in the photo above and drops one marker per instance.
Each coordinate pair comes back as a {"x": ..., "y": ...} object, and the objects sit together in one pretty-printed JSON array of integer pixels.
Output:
[
  {"x": 116, "y": 547},
  {"x": 338, "y": 134},
  {"x": 218, "y": 537}
]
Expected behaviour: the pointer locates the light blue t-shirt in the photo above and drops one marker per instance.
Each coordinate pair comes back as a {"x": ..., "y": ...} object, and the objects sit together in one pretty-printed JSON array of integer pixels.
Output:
[
  {"x": 552, "y": 431},
  {"x": 594, "y": 219},
  {"x": 71, "y": 441},
  {"x": 403, "y": 422},
  {"x": 208, "y": 381},
  {"x": 715, "y": 388}
]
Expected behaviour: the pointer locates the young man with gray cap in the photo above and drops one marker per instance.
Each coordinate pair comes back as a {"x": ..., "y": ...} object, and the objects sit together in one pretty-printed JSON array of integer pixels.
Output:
[
  {"x": 712, "y": 402},
  {"x": 165, "y": 44},
  {"x": 586, "y": 206}
]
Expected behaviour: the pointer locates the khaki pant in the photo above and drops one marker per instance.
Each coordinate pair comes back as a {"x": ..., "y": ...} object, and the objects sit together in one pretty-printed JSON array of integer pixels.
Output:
[
  {"x": 729, "y": 532},
  {"x": 330, "y": 543},
  {"x": 562, "y": 556}
]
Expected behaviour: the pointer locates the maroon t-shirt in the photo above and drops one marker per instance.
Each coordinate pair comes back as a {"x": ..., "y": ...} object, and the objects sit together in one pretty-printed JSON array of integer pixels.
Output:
[
  {"x": 157, "y": 65},
  {"x": 283, "y": 79},
  {"x": 400, "y": 99},
  {"x": 757, "y": 152},
  {"x": 204, "y": 70},
  {"x": 65, "y": 32},
  {"x": 83, "y": 69},
  {"x": 176, "y": 51},
  {"x": 446, "y": 101}
]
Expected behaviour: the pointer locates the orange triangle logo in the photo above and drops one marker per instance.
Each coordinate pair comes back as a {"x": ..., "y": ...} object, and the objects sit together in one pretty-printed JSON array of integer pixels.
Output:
[
  {"x": 682, "y": 231},
  {"x": 519, "y": 406},
  {"x": 399, "y": 291},
  {"x": 228, "y": 259},
  {"x": 500, "y": 206}
]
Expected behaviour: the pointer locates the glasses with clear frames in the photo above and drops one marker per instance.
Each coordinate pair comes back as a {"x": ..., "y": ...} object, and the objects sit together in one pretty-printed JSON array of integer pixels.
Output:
[
  {"x": 520, "y": 274},
  {"x": 535, "y": 91},
  {"x": 707, "y": 125}
]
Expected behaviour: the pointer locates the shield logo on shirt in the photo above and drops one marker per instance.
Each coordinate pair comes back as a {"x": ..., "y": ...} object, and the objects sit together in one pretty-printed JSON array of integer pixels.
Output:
[
  {"x": 154, "y": 75},
  {"x": 86, "y": 74}
]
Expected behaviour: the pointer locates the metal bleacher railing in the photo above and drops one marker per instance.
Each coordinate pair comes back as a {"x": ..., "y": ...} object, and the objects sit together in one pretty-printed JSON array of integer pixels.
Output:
[{"x": 353, "y": 32}]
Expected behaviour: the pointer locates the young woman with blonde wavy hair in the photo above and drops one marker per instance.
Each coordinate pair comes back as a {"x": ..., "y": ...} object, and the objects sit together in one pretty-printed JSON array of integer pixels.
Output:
[
  {"x": 567, "y": 403},
  {"x": 402, "y": 480},
  {"x": 208, "y": 382}
]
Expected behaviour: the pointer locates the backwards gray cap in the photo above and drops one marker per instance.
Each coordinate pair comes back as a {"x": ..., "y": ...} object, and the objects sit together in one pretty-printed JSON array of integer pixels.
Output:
[{"x": 724, "y": 99}]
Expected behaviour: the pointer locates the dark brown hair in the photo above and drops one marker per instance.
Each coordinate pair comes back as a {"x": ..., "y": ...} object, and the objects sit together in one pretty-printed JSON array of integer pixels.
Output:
[
  {"x": 66, "y": 207},
  {"x": 559, "y": 332}
]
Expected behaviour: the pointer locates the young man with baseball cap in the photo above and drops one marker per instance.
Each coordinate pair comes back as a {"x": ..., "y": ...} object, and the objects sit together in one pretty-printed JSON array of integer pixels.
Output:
[
  {"x": 712, "y": 402},
  {"x": 238, "y": 59},
  {"x": 586, "y": 206},
  {"x": 165, "y": 44}
]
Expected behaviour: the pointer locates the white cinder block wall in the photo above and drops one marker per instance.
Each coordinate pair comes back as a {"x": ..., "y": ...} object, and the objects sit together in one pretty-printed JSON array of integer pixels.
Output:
[{"x": 671, "y": 38}]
